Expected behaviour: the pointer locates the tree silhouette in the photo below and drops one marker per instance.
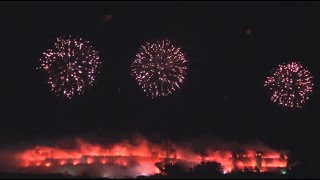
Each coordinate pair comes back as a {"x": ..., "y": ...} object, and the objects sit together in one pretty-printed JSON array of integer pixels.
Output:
[
  {"x": 174, "y": 170},
  {"x": 208, "y": 169}
]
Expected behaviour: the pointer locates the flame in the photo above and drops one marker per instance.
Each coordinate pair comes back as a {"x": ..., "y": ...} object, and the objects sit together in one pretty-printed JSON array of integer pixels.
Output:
[
  {"x": 103, "y": 161},
  {"x": 76, "y": 162},
  {"x": 62, "y": 162},
  {"x": 89, "y": 160}
]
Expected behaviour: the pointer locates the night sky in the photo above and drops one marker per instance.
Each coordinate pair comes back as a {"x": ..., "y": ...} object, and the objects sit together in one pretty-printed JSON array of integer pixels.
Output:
[{"x": 231, "y": 48}]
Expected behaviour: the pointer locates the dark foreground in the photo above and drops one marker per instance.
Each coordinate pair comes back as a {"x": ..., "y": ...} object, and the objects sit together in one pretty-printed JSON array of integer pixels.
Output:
[{"x": 182, "y": 176}]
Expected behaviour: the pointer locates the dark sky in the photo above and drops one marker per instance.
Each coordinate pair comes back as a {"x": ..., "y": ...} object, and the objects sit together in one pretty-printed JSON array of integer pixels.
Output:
[{"x": 223, "y": 94}]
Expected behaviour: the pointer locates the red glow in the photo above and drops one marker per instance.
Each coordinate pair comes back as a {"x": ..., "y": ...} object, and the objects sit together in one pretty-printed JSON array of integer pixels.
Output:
[
  {"x": 147, "y": 154},
  {"x": 103, "y": 161},
  {"x": 75, "y": 162},
  {"x": 89, "y": 160},
  {"x": 26, "y": 165},
  {"x": 62, "y": 162}
]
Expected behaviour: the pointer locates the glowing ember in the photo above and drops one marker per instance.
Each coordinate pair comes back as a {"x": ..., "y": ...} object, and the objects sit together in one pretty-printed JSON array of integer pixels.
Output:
[
  {"x": 89, "y": 160},
  {"x": 75, "y": 162},
  {"x": 103, "y": 161},
  {"x": 62, "y": 162}
]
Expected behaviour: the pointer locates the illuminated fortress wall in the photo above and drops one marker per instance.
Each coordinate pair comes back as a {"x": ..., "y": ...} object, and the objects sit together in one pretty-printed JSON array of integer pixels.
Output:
[{"x": 143, "y": 159}]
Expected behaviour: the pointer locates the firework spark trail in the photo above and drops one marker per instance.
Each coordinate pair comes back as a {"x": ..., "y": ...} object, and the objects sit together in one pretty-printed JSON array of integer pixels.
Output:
[
  {"x": 159, "y": 68},
  {"x": 72, "y": 65},
  {"x": 290, "y": 85}
]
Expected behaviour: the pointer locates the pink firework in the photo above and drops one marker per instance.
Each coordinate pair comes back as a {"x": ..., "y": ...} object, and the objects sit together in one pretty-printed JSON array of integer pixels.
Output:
[
  {"x": 159, "y": 68},
  {"x": 72, "y": 65},
  {"x": 290, "y": 84}
]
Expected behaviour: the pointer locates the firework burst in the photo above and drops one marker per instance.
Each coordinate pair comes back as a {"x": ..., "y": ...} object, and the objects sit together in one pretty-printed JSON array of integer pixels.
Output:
[
  {"x": 290, "y": 84},
  {"x": 72, "y": 65},
  {"x": 159, "y": 68}
]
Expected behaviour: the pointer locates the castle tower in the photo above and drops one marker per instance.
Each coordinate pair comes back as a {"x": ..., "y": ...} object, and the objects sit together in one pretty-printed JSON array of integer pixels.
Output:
[{"x": 259, "y": 160}]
